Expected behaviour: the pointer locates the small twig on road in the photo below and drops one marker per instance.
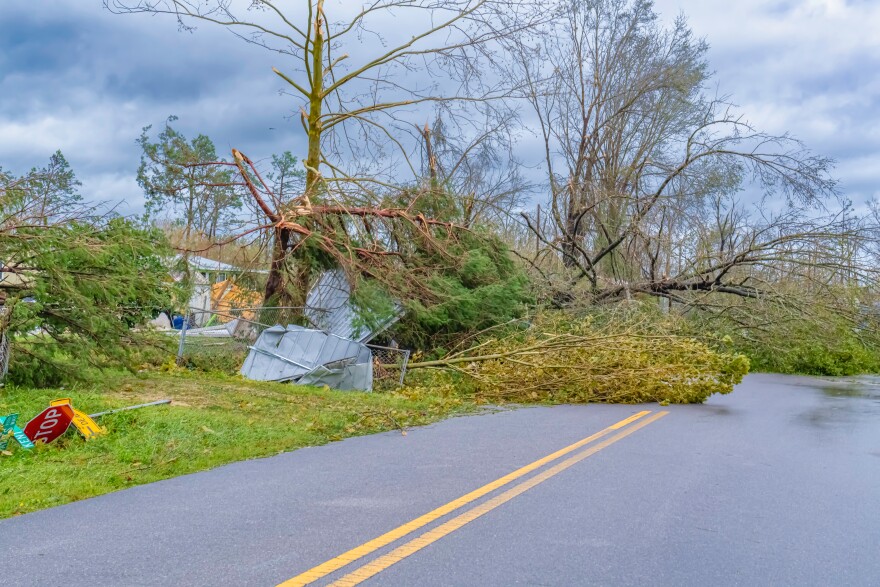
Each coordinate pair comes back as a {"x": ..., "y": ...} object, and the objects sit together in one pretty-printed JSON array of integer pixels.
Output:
[{"x": 386, "y": 414}]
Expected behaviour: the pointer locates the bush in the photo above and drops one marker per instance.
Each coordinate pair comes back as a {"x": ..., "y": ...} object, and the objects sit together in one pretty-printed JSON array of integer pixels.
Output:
[
  {"x": 481, "y": 289},
  {"x": 212, "y": 355},
  {"x": 811, "y": 348},
  {"x": 89, "y": 283},
  {"x": 45, "y": 371},
  {"x": 53, "y": 366},
  {"x": 447, "y": 292},
  {"x": 814, "y": 339}
]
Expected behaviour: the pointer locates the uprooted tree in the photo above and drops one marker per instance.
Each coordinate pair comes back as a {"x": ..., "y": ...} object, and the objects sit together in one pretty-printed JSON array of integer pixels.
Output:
[
  {"x": 451, "y": 280},
  {"x": 622, "y": 356}
]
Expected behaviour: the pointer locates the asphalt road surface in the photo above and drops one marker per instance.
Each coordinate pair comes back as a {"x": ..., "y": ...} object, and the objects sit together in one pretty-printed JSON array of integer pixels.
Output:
[{"x": 775, "y": 484}]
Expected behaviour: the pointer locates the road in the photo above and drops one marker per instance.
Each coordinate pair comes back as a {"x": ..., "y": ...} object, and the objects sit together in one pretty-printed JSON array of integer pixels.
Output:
[{"x": 775, "y": 484}]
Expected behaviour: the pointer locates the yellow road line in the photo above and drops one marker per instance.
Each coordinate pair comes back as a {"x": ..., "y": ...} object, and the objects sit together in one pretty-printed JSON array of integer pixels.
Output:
[
  {"x": 354, "y": 554},
  {"x": 401, "y": 552}
]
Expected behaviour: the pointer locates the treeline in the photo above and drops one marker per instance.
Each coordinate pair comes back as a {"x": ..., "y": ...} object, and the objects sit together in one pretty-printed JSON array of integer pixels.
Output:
[{"x": 651, "y": 193}]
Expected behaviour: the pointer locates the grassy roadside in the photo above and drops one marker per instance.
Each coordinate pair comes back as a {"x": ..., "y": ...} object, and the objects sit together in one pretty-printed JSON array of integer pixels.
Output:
[{"x": 211, "y": 421}]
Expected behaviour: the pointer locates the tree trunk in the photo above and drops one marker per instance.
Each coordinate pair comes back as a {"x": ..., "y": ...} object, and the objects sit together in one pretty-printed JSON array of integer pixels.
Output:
[
  {"x": 574, "y": 227},
  {"x": 293, "y": 292},
  {"x": 275, "y": 287}
]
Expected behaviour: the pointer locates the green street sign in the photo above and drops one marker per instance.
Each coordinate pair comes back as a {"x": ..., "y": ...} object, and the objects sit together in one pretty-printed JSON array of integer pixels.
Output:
[{"x": 9, "y": 424}]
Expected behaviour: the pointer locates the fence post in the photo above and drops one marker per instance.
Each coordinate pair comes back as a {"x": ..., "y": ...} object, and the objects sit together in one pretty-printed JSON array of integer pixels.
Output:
[
  {"x": 180, "y": 360},
  {"x": 4, "y": 356},
  {"x": 403, "y": 367},
  {"x": 4, "y": 345}
]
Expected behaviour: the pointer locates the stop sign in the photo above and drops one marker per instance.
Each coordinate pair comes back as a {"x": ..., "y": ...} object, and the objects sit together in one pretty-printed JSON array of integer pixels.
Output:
[{"x": 49, "y": 424}]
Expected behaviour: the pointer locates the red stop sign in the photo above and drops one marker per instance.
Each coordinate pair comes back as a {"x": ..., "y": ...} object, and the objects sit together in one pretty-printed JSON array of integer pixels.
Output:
[{"x": 50, "y": 424}]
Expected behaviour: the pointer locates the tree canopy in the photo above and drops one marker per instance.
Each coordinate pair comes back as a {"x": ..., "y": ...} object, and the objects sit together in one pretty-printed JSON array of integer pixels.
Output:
[{"x": 180, "y": 177}]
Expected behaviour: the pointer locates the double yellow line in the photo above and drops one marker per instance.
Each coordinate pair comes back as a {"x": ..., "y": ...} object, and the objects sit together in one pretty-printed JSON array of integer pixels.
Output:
[{"x": 383, "y": 562}]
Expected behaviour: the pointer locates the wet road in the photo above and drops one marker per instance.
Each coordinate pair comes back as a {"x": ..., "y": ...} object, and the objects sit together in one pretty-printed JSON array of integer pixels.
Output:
[{"x": 775, "y": 484}]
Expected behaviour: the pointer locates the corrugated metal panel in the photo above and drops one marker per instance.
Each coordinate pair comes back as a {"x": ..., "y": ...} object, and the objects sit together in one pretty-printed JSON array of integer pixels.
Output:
[
  {"x": 346, "y": 378},
  {"x": 289, "y": 354},
  {"x": 329, "y": 308},
  {"x": 266, "y": 363}
]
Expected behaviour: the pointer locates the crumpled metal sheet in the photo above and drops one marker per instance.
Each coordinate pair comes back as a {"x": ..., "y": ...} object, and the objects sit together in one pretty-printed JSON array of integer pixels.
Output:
[
  {"x": 310, "y": 357},
  {"x": 346, "y": 378},
  {"x": 328, "y": 307}
]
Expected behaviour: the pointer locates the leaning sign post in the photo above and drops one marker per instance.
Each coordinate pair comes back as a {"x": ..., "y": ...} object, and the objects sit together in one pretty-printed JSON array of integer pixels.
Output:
[{"x": 83, "y": 422}]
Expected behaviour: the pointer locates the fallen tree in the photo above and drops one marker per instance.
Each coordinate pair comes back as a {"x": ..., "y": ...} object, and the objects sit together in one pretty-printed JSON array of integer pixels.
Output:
[
  {"x": 75, "y": 278},
  {"x": 451, "y": 280},
  {"x": 620, "y": 360}
]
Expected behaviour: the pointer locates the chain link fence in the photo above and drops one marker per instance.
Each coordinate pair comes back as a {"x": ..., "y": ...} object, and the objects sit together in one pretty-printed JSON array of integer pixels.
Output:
[
  {"x": 220, "y": 340},
  {"x": 224, "y": 337},
  {"x": 389, "y": 364}
]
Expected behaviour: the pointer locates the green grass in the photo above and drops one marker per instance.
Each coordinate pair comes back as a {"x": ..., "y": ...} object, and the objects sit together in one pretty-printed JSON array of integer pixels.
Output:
[{"x": 211, "y": 421}]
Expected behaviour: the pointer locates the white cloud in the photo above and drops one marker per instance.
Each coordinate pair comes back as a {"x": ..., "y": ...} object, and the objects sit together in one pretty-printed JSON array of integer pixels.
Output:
[
  {"x": 117, "y": 189},
  {"x": 807, "y": 67}
]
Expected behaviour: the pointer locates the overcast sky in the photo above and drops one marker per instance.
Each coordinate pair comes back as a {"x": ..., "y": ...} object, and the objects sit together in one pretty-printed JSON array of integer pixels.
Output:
[{"x": 77, "y": 78}]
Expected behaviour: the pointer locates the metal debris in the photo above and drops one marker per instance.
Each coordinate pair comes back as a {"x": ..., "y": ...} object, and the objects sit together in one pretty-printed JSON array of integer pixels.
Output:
[{"x": 309, "y": 357}]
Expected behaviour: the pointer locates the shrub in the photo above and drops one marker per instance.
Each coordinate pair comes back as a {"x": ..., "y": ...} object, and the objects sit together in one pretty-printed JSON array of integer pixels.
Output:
[
  {"x": 815, "y": 339},
  {"x": 827, "y": 348}
]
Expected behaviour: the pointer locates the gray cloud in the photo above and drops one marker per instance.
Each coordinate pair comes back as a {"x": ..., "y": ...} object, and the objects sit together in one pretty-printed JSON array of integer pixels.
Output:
[
  {"x": 85, "y": 81},
  {"x": 75, "y": 77}
]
